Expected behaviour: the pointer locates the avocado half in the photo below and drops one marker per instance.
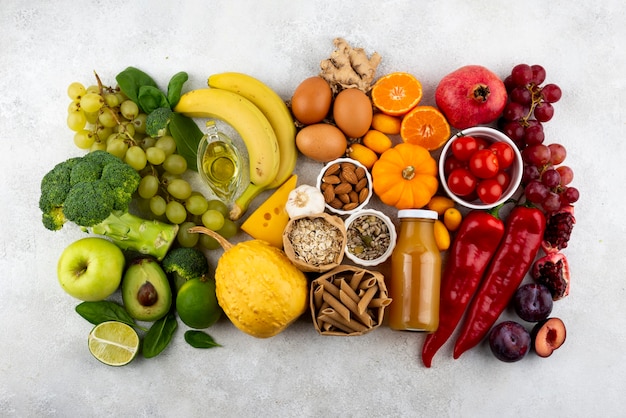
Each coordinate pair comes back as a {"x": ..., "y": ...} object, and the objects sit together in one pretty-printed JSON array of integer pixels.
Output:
[{"x": 146, "y": 292}]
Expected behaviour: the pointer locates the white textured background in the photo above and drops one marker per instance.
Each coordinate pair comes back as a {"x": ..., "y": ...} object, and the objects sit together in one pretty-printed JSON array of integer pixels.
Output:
[{"x": 45, "y": 367}]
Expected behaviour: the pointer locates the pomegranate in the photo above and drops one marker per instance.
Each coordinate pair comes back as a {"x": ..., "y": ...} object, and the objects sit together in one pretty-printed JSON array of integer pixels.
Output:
[
  {"x": 552, "y": 271},
  {"x": 470, "y": 96}
]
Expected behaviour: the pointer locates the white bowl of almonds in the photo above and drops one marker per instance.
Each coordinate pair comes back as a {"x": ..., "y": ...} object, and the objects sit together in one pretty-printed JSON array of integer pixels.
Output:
[
  {"x": 371, "y": 237},
  {"x": 346, "y": 185}
]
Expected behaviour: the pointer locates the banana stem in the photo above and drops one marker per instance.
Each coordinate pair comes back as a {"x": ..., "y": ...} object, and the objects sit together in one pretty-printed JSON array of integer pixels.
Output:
[{"x": 243, "y": 202}]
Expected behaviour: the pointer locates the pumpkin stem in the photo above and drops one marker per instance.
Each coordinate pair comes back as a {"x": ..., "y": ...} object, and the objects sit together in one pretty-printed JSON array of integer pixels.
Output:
[
  {"x": 206, "y": 231},
  {"x": 408, "y": 172}
]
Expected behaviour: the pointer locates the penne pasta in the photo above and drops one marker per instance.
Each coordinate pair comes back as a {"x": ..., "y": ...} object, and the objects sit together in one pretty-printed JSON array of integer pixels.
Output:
[
  {"x": 366, "y": 299},
  {"x": 338, "y": 306}
]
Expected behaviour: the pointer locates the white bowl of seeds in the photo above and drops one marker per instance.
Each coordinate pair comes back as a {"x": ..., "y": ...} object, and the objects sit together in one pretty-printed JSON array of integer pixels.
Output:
[{"x": 371, "y": 237}]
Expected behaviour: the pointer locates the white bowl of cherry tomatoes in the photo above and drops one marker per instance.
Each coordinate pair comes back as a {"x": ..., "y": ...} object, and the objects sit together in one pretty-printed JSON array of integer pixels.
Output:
[{"x": 480, "y": 167}]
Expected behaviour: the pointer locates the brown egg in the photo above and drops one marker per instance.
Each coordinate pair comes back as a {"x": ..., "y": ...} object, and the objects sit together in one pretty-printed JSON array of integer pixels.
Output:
[
  {"x": 353, "y": 112},
  {"x": 311, "y": 100},
  {"x": 321, "y": 142}
]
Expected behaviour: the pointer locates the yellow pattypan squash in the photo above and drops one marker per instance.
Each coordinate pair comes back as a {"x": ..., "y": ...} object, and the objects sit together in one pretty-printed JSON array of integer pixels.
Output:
[{"x": 405, "y": 176}]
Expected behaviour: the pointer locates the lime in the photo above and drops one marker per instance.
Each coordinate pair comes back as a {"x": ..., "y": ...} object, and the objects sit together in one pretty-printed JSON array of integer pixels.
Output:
[
  {"x": 196, "y": 303},
  {"x": 113, "y": 343}
]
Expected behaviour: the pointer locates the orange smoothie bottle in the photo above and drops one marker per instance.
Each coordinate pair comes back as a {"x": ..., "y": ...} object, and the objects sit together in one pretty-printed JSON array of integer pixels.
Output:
[{"x": 415, "y": 274}]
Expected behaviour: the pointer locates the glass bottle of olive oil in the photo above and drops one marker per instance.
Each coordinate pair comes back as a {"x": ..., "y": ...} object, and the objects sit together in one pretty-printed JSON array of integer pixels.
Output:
[{"x": 219, "y": 163}]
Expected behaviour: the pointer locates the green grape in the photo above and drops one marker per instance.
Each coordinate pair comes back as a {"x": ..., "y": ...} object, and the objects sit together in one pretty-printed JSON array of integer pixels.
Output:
[
  {"x": 140, "y": 123},
  {"x": 93, "y": 89},
  {"x": 167, "y": 178},
  {"x": 92, "y": 117},
  {"x": 167, "y": 144},
  {"x": 229, "y": 230},
  {"x": 111, "y": 100},
  {"x": 175, "y": 164},
  {"x": 121, "y": 96},
  {"x": 102, "y": 133},
  {"x": 91, "y": 102},
  {"x": 213, "y": 219},
  {"x": 196, "y": 204},
  {"x": 208, "y": 242},
  {"x": 157, "y": 205},
  {"x": 74, "y": 106},
  {"x": 175, "y": 212},
  {"x": 219, "y": 206},
  {"x": 148, "y": 186},
  {"x": 84, "y": 139},
  {"x": 155, "y": 155},
  {"x": 186, "y": 239},
  {"x": 76, "y": 121},
  {"x": 117, "y": 147},
  {"x": 179, "y": 189},
  {"x": 136, "y": 157},
  {"x": 98, "y": 146},
  {"x": 129, "y": 109},
  {"x": 75, "y": 90},
  {"x": 126, "y": 128},
  {"x": 107, "y": 118}
]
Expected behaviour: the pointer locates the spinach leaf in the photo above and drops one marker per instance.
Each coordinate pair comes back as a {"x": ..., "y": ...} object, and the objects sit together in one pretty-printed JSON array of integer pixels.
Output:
[
  {"x": 187, "y": 135},
  {"x": 103, "y": 311},
  {"x": 199, "y": 339},
  {"x": 175, "y": 87},
  {"x": 131, "y": 80},
  {"x": 150, "y": 98},
  {"x": 159, "y": 335}
]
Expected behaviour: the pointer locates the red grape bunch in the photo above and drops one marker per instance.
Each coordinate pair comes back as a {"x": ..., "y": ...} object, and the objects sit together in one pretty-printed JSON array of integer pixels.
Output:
[{"x": 529, "y": 106}]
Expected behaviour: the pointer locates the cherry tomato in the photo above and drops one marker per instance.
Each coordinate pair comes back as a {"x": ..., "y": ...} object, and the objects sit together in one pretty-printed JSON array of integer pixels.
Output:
[
  {"x": 451, "y": 163},
  {"x": 484, "y": 164},
  {"x": 504, "y": 153},
  {"x": 461, "y": 182},
  {"x": 463, "y": 147},
  {"x": 481, "y": 143},
  {"x": 489, "y": 190},
  {"x": 503, "y": 179}
]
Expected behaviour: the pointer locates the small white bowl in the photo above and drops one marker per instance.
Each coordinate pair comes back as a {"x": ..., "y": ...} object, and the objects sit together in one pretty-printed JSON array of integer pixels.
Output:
[
  {"x": 369, "y": 185},
  {"x": 391, "y": 231},
  {"x": 515, "y": 170}
]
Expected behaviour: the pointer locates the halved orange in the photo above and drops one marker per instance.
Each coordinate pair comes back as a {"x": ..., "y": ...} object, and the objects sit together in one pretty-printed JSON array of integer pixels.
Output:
[
  {"x": 396, "y": 93},
  {"x": 425, "y": 126}
]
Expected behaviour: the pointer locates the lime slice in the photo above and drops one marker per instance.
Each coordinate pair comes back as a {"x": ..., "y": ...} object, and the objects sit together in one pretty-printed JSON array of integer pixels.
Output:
[{"x": 113, "y": 343}]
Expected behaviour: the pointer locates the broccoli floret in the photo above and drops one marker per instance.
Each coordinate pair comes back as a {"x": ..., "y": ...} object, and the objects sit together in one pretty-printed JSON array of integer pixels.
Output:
[
  {"x": 183, "y": 263},
  {"x": 94, "y": 191},
  {"x": 157, "y": 121}
]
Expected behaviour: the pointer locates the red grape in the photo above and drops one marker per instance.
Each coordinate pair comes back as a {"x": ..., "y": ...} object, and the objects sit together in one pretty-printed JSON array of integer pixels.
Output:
[
  {"x": 533, "y": 135},
  {"x": 557, "y": 153},
  {"x": 551, "y": 93},
  {"x": 539, "y": 74},
  {"x": 513, "y": 130},
  {"x": 570, "y": 194},
  {"x": 521, "y": 74},
  {"x": 567, "y": 174},
  {"x": 552, "y": 202},
  {"x": 513, "y": 111},
  {"x": 544, "y": 112},
  {"x": 538, "y": 155},
  {"x": 551, "y": 178},
  {"x": 536, "y": 192},
  {"x": 521, "y": 95},
  {"x": 531, "y": 172}
]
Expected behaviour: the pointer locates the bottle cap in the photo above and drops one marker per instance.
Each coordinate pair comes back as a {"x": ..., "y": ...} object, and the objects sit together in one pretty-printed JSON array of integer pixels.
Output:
[{"x": 417, "y": 213}]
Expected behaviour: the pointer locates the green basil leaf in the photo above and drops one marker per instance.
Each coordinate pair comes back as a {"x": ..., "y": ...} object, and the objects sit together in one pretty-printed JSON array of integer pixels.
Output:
[
  {"x": 159, "y": 335},
  {"x": 131, "y": 80},
  {"x": 151, "y": 98},
  {"x": 199, "y": 339},
  {"x": 187, "y": 135},
  {"x": 175, "y": 87},
  {"x": 104, "y": 311}
]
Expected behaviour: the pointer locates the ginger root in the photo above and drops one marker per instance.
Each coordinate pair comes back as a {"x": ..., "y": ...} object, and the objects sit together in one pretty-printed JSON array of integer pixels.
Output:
[{"x": 349, "y": 67}]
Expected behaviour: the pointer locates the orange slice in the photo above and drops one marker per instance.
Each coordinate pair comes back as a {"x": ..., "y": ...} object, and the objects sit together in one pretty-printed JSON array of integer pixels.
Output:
[
  {"x": 425, "y": 126},
  {"x": 396, "y": 93}
]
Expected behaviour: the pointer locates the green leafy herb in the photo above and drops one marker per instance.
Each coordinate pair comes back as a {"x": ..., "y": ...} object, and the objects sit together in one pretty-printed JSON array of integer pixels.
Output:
[
  {"x": 199, "y": 339},
  {"x": 131, "y": 80},
  {"x": 187, "y": 135},
  {"x": 159, "y": 335},
  {"x": 175, "y": 87},
  {"x": 103, "y": 311},
  {"x": 151, "y": 98}
]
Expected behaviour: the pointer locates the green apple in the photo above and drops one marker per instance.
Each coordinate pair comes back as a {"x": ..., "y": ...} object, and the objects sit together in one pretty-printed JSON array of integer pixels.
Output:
[{"x": 91, "y": 269}]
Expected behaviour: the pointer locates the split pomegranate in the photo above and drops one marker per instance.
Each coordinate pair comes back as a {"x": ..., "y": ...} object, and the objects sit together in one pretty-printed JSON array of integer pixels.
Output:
[
  {"x": 470, "y": 96},
  {"x": 552, "y": 271}
]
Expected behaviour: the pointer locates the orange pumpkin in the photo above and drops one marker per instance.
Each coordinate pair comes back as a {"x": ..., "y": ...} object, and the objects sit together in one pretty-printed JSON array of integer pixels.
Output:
[{"x": 405, "y": 176}]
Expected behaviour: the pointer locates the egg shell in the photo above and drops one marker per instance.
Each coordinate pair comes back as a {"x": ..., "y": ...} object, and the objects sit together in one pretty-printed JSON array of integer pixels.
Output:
[
  {"x": 311, "y": 100},
  {"x": 353, "y": 112},
  {"x": 321, "y": 142}
]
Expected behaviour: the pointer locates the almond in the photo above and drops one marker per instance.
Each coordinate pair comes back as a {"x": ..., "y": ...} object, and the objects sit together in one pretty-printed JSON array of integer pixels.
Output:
[
  {"x": 332, "y": 169},
  {"x": 336, "y": 203},
  {"x": 362, "y": 184},
  {"x": 350, "y": 176},
  {"x": 363, "y": 195},
  {"x": 360, "y": 172},
  {"x": 354, "y": 196},
  {"x": 345, "y": 198},
  {"x": 342, "y": 188},
  {"x": 350, "y": 206},
  {"x": 329, "y": 193},
  {"x": 332, "y": 179}
]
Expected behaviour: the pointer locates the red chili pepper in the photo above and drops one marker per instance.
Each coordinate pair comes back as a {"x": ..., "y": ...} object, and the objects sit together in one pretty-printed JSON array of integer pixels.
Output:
[
  {"x": 475, "y": 244},
  {"x": 513, "y": 259}
]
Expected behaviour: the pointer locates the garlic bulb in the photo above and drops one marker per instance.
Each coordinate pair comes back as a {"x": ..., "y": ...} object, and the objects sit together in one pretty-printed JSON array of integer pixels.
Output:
[{"x": 305, "y": 200}]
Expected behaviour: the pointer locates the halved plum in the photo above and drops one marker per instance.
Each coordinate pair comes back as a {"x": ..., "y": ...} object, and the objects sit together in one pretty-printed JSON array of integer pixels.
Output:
[{"x": 547, "y": 336}]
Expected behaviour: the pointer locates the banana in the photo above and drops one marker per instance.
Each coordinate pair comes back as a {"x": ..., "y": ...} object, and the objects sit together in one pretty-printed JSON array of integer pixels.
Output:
[
  {"x": 253, "y": 127},
  {"x": 279, "y": 116}
]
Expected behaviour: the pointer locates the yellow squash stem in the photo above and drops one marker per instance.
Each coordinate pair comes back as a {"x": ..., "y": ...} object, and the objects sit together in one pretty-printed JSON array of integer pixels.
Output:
[{"x": 206, "y": 231}]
